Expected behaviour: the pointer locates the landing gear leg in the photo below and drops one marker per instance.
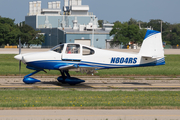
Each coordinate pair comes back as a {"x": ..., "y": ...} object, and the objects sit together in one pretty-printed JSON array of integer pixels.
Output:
[
  {"x": 29, "y": 80},
  {"x": 67, "y": 73},
  {"x": 62, "y": 78}
]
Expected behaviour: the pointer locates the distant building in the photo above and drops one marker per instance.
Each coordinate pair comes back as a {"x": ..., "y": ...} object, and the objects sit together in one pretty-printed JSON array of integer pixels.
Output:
[{"x": 74, "y": 24}]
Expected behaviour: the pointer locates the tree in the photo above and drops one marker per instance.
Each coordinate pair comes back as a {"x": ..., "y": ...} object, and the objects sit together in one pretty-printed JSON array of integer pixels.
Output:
[
  {"x": 8, "y": 32},
  {"x": 29, "y": 36},
  {"x": 135, "y": 34},
  {"x": 120, "y": 33},
  {"x": 132, "y": 21},
  {"x": 13, "y": 36},
  {"x": 124, "y": 33},
  {"x": 7, "y": 21},
  {"x": 4, "y": 30},
  {"x": 155, "y": 23},
  {"x": 100, "y": 23},
  {"x": 172, "y": 37}
]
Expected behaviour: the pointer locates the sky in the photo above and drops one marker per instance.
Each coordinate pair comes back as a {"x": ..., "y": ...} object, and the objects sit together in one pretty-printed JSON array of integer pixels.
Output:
[{"x": 110, "y": 10}]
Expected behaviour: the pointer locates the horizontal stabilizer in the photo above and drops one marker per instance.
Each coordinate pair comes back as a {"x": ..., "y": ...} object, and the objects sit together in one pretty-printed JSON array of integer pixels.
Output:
[
  {"x": 149, "y": 56},
  {"x": 146, "y": 56}
]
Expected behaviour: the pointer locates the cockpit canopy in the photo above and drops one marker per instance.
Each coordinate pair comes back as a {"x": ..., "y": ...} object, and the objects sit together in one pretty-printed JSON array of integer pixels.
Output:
[{"x": 73, "y": 49}]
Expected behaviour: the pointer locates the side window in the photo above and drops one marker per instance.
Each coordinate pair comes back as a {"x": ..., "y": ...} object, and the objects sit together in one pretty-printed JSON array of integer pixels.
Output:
[
  {"x": 73, "y": 49},
  {"x": 88, "y": 51}
]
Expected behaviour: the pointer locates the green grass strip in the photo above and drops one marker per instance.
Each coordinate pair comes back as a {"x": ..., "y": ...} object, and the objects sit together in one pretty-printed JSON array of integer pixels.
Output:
[
  {"x": 9, "y": 66},
  {"x": 54, "y": 98}
]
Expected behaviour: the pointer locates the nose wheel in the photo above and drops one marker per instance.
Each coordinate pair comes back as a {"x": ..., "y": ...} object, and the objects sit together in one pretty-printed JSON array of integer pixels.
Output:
[
  {"x": 29, "y": 80},
  {"x": 66, "y": 78}
]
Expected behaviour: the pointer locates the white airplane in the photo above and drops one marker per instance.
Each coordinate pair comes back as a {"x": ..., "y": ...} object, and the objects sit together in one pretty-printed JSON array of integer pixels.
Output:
[{"x": 68, "y": 56}]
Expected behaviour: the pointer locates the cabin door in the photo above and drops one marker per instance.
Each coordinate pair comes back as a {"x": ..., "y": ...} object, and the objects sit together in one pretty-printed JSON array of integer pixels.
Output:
[{"x": 72, "y": 53}]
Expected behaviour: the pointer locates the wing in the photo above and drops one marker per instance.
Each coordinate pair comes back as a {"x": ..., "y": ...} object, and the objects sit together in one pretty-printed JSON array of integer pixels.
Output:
[{"x": 65, "y": 67}]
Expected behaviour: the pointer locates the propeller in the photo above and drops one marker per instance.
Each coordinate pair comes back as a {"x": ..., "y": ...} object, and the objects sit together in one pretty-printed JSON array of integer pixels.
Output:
[
  {"x": 19, "y": 66},
  {"x": 19, "y": 53}
]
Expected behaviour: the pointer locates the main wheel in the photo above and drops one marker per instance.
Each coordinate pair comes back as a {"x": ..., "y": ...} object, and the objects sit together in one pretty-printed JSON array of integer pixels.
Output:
[
  {"x": 62, "y": 79},
  {"x": 73, "y": 81}
]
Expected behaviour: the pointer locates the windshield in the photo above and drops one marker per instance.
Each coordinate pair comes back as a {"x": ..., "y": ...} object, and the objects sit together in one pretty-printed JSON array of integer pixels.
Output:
[{"x": 58, "y": 48}]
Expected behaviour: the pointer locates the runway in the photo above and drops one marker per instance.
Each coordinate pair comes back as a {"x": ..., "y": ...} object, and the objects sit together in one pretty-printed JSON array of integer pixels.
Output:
[
  {"x": 96, "y": 83},
  {"x": 90, "y": 115}
]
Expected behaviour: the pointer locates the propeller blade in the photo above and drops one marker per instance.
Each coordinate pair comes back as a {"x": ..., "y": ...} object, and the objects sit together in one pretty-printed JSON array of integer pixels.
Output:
[
  {"x": 19, "y": 45},
  {"x": 19, "y": 66}
]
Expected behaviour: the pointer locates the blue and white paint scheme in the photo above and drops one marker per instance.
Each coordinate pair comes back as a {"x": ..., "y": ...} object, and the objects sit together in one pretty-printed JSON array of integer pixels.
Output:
[{"x": 68, "y": 56}]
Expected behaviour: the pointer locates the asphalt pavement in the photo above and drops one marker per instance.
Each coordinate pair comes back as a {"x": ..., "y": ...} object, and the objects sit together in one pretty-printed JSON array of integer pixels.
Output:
[
  {"x": 90, "y": 115},
  {"x": 96, "y": 83}
]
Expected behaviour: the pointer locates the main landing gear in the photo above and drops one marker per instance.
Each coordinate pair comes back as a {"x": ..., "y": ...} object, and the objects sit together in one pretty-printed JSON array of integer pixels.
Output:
[{"x": 66, "y": 78}]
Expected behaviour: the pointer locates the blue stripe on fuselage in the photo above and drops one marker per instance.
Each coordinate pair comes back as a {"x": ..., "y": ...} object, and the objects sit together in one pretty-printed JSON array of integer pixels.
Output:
[{"x": 50, "y": 64}]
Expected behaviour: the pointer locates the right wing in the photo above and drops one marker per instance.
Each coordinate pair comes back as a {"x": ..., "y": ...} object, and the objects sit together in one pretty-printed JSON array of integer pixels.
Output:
[{"x": 65, "y": 67}]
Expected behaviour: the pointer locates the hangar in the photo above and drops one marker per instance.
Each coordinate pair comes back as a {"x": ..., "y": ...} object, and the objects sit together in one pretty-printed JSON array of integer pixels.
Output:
[{"x": 73, "y": 24}]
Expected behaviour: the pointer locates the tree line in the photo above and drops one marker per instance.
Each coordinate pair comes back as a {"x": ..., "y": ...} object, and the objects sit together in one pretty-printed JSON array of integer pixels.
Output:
[
  {"x": 123, "y": 32},
  {"x": 170, "y": 32},
  {"x": 130, "y": 31},
  {"x": 11, "y": 32}
]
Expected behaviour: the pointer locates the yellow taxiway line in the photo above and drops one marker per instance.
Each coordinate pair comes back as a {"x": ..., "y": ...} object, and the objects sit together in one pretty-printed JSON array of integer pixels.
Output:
[
  {"x": 89, "y": 115},
  {"x": 90, "y": 86}
]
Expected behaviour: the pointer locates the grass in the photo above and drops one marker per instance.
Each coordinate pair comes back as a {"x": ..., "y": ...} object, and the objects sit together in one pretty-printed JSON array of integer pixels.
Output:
[
  {"x": 172, "y": 68},
  {"x": 9, "y": 66},
  {"x": 54, "y": 98}
]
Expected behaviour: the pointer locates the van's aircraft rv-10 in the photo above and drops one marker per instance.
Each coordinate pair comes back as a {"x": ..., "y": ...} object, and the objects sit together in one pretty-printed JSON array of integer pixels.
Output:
[{"x": 68, "y": 56}]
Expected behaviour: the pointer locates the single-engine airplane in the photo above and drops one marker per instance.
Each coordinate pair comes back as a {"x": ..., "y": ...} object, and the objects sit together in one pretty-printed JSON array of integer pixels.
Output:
[{"x": 68, "y": 56}]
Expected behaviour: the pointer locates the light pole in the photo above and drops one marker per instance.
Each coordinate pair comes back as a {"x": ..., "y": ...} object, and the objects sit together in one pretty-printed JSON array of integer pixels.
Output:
[
  {"x": 161, "y": 26},
  {"x": 93, "y": 19},
  {"x": 57, "y": 31},
  {"x": 20, "y": 45},
  {"x": 57, "y": 36},
  {"x": 50, "y": 38},
  {"x": 93, "y": 34}
]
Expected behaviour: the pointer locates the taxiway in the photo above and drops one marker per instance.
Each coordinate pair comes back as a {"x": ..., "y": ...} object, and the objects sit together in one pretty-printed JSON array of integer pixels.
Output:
[
  {"x": 90, "y": 115},
  {"x": 96, "y": 83}
]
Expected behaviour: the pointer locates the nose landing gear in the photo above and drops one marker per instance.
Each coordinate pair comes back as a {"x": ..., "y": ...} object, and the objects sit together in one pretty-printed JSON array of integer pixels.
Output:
[{"x": 29, "y": 80}]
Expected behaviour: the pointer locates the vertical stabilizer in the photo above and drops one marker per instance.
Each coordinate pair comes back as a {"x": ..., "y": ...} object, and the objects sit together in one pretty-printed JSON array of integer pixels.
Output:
[{"x": 152, "y": 45}]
